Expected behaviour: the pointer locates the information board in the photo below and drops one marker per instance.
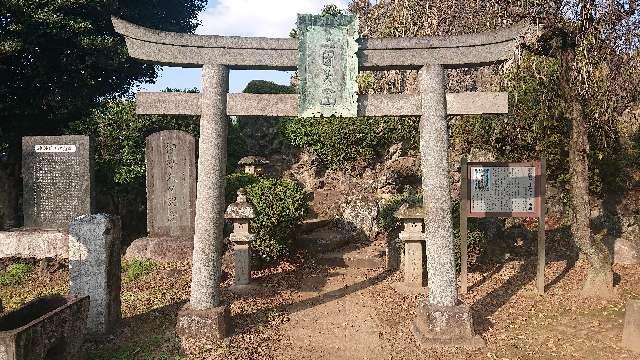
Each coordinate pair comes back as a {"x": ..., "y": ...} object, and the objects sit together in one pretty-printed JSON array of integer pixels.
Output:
[{"x": 504, "y": 189}]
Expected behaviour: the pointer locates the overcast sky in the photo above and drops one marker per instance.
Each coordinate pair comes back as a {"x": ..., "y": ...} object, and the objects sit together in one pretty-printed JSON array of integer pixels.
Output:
[{"x": 270, "y": 18}]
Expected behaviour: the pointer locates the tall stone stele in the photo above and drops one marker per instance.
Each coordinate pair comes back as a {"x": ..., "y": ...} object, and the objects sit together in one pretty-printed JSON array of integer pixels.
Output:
[
  {"x": 171, "y": 198},
  {"x": 94, "y": 269},
  {"x": 240, "y": 213}
]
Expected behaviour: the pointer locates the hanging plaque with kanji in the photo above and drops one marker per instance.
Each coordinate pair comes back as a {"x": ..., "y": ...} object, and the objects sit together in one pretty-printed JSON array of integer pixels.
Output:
[{"x": 328, "y": 65}]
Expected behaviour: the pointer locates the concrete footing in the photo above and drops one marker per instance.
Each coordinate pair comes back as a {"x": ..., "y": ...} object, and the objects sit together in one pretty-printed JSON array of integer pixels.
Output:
[
  {"x": 160, "y": 249},
  {"x": 445, "y": 326},
  {"x": 203, "y": 325},
  {"x": 34, "y": 243}
]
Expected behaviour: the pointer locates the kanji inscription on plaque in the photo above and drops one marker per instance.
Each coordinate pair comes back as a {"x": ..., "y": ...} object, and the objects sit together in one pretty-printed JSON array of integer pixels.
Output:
[
  {"x": 57, "y": 180},
  {"x": 328, "y": 65},
  {"x": 504, "y": 189}
]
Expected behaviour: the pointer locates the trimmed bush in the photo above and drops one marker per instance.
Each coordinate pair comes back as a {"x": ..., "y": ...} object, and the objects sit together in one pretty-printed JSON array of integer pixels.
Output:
[{"x": 280, "y": 205}]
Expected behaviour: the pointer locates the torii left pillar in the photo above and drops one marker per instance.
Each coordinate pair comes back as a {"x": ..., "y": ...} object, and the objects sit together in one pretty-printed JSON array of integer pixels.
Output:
[
  {"x": 440, "y": 321},
  {"x": 205, "y": 316}
]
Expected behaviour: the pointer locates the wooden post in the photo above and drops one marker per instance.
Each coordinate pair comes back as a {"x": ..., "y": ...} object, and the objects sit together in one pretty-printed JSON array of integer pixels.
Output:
[
  {"x": 464, "y": 173},
  {"x": 541, "y": 223}
]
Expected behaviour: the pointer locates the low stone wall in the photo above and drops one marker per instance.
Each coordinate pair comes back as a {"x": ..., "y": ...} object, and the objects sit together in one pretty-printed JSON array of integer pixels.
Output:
[
  {"x": 39, "y": 244},
  {"x": 50, "y": 327}
]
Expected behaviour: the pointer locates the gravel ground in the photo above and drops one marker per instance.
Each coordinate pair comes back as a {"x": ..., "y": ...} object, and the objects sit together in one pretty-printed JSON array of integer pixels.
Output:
[{"x": 302, "y": 310}]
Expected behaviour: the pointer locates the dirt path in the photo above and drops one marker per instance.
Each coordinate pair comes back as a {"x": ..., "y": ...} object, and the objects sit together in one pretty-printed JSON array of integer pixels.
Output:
[{"x": 335, "y": 319}]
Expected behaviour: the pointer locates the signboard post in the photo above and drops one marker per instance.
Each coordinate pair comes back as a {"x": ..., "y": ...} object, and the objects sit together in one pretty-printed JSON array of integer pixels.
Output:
[{"x": 502, "y": 190}]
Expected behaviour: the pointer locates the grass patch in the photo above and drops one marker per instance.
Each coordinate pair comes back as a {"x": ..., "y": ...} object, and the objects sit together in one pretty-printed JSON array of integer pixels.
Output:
[
  {"x": 136, "y": 269},
  {"x": 15, "y": 274},
  {"x": 154, "y": 347}
]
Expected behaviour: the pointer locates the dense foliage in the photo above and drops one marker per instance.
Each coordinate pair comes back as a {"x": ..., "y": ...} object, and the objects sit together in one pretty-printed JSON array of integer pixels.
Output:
[
  {"x": 339, "y": 142},
  {"x": 280, "y": 204},
  {"x": 59, "y": 59}
]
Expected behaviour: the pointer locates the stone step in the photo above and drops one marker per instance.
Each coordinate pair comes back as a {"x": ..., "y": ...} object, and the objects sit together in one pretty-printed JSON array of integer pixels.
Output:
[
  {"x": 323, "y": 240},
  {"x": 368, "y": 257}
]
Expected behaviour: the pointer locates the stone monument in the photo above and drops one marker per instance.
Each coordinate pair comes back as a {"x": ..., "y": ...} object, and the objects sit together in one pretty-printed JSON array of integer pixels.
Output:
[
  {"x": 171, "y": 198},
  {"x": 57, "y": 186},
  {"x": 217, "y": 54}
]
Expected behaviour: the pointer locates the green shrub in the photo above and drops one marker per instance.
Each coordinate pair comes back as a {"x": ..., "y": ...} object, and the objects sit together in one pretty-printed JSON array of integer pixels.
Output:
[
  {"x": 136, "y": 269},
  {"x": 15, "y": 274},
  {"x": 280, "y": 205},
  {"x": 339, "y": 142}
]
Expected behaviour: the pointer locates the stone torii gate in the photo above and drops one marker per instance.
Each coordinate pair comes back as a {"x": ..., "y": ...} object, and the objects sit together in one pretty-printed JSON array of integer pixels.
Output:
[{"x": 441, "y": 321}]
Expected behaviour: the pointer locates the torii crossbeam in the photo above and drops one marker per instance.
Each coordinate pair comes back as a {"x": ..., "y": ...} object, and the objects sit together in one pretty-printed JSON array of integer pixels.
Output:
[{"x": 440, "y": 317}]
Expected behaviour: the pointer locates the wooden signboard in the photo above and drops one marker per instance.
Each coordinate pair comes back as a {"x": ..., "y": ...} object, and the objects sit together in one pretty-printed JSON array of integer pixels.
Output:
[{"x": 502, "y": 190}]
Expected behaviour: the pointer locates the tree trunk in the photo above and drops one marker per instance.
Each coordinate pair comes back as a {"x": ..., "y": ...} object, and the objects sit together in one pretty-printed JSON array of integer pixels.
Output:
[
  {"x": 8, "y": 195},
  {"x": 599, "y": 281}
]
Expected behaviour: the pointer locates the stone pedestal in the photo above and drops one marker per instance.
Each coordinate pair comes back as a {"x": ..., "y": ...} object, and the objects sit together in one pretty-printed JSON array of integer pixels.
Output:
[
  {"x": 413, "y": 237},
  {"x": 242, "y": 259},
  {"x": 203, "y": 325},
  {"x": 413, "y": 267},
  {"x": 94, "y": 269},
  {"x": 631, "y": 334},
  {"x": 445, "y": 326}
]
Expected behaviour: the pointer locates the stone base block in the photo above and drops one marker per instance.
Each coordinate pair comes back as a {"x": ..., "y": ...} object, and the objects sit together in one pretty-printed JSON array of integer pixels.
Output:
[
  {"x": 203, "y": 325},
  {"x": 409, "y": 288},
  {"x": 445, "y": 326},
  {"x": 244, "y": 289},
  {"x": 370, "y": 257},
  {"x": 34, "y": 243},
  {"x": 631, "y": 334},
  {"x": 160, "y": 249}
]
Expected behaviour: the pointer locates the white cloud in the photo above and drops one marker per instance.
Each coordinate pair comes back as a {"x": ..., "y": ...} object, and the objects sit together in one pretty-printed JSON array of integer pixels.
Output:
[{"x": 268, "y": 18}]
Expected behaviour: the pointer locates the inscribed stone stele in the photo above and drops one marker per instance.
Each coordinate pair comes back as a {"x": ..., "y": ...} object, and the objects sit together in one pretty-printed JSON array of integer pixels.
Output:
[
  {"x": 56, "y": 172},
  {"x": 171, "y": 184}
]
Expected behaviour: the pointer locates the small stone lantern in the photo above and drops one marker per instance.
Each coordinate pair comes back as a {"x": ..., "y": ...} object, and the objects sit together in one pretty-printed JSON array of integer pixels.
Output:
[
  {"x": 253, "y": 165},
  {"x": 413, "y": 237},
  {"x": 240, "y": 213}
]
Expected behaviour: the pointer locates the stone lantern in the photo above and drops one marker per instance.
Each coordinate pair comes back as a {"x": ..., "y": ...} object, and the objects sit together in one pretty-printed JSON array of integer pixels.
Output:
[
  {"x": 240, "y": 213},
  {"x": 412, "y": 235},
  {"x": 253, "y": 165}
]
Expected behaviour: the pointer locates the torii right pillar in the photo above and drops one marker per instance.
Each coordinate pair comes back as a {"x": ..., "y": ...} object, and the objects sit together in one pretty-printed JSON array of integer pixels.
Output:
[{"x": 441, "y": 321}]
